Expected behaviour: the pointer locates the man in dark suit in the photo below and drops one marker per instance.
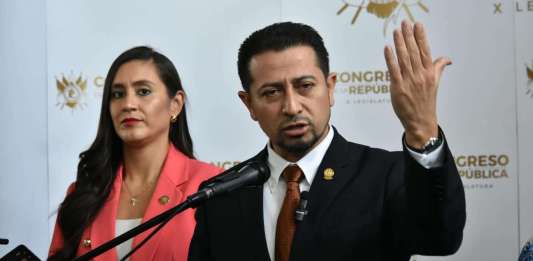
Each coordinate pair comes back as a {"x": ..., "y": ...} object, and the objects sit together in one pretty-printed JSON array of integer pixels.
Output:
[{"x": 363, "y": 203}]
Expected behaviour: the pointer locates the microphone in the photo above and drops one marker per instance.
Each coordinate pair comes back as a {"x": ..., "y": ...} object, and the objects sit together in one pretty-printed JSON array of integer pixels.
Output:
[
  {"x": 301, "y": 210},
  {"x": 249, "y": 173}
]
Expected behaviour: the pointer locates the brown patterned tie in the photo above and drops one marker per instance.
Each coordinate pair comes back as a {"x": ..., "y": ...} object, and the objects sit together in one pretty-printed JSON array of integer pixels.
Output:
[{"x": 286, "y": 223}]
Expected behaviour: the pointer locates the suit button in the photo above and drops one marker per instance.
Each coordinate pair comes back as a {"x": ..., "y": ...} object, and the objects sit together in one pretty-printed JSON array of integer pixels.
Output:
[{"x": 86, "y": 243}]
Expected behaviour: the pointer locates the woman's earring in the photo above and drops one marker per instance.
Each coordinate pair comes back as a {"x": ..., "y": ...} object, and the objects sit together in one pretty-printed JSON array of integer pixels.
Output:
[{"x": 174, "y": 118}]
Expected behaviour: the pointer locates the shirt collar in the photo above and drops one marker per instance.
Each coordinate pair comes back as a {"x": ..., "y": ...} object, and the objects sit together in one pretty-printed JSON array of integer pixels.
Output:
[{"x": 308, "y": 164}]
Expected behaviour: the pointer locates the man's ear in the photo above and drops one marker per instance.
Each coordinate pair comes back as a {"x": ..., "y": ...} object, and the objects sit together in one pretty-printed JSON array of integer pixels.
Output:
[
  {"x": 246, "y": 99},
  {"x": 331, "y": 80}
]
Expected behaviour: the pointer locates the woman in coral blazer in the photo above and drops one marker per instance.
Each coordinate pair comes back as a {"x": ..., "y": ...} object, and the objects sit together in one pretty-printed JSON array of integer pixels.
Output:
[{"x": 140, "y": 164}]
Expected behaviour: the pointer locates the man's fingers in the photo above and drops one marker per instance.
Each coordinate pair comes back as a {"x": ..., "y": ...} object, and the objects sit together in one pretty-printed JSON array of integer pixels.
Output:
[
  {"x": 412, "y": 46},
  {"x": 403, "y": 56},
  {"x": 440, "y": 64},
  {"x": 423, "y": 45},
  {"x": 394, "y": 69}
]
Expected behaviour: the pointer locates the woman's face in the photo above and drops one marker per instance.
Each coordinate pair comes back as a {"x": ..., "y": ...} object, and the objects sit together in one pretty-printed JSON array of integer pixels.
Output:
[{"x": 140, "y": 107}]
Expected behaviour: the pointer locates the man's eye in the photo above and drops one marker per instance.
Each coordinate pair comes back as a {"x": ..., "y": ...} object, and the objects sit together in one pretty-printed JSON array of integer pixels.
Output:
[
  {"x": 270, "y": 93},
  {"x": 144, "y": 92},
  {"x": 307, "y": 85},
  {"x": 117, "y": 94}
]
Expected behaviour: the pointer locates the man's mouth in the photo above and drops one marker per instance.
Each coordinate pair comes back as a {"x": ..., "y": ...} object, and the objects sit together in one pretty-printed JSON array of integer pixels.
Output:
[{"x": 295, "y": 129}]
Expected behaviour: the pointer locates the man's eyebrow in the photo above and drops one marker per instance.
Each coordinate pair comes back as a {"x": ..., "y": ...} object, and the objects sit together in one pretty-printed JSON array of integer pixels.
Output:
[
  {"x": 279, "y": 84},
  {"x": 276, "y": 84},
  {"x": 302, "y": 78}
]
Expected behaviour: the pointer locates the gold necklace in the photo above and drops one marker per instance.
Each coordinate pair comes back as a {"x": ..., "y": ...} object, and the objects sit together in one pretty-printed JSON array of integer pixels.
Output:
[{"x": 134, "y": 198}]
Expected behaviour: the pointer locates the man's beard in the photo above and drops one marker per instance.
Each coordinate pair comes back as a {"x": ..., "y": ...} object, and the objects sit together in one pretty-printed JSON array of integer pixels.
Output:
[{"x": 298, "y": 147}]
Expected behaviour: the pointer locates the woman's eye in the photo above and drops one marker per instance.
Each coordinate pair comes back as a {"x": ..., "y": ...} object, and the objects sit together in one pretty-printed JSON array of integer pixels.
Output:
[
  {"x": 144, "y": 92},
  {"x": 116, "y": 94}
]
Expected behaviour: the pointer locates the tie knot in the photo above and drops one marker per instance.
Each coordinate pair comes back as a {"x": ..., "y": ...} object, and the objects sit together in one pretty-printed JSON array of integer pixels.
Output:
[{"x": 292, "y": 173}]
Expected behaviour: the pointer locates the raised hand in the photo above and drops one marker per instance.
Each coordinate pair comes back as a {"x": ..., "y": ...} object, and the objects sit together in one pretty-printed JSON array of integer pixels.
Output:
[{"x": 414, "y": 82}]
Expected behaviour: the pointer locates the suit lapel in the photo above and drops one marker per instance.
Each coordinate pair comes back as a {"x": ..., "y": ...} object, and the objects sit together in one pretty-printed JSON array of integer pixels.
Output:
[
  {"x": 342, "y": 161},
  {"x": 325, "y": 186}
]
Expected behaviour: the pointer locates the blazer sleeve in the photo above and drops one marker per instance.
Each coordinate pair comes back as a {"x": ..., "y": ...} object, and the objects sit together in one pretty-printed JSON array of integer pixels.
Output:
[
  {"x": 57, "y": 237},
  {"x": 426, "y": 209}
]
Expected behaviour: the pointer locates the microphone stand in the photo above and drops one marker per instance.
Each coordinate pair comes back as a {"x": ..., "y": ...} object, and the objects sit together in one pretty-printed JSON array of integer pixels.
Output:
[{"x": 191, "y": 202}]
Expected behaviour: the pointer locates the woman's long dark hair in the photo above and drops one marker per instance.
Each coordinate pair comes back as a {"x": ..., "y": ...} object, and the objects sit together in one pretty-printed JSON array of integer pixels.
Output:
[{"x": 98, "y": 165}]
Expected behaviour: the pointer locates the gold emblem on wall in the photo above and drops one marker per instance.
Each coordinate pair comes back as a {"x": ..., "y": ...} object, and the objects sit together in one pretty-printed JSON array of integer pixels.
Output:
[
  {"x": 71, "y": 91},
  {"x": 388, "y": 10}
]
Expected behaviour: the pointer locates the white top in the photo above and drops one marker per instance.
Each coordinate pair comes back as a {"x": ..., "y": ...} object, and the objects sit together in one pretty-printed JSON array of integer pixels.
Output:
[
  {"x": 121, "y": 227},
  {"x": 274, "y": 190}
]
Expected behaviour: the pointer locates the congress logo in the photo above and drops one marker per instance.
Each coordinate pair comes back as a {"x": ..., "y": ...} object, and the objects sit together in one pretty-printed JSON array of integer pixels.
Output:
[
  {"x": 363, "y": 86},
  {"x": 225, "y": 164},
  {"x": 387, "y": 10},
  {"x": 482, "y": 171},
  {"x": 71, "y": 91}
]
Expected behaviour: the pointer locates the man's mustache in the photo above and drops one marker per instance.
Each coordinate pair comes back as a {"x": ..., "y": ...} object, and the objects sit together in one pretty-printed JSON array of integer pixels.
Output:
[{"x": 297, "y": 119}]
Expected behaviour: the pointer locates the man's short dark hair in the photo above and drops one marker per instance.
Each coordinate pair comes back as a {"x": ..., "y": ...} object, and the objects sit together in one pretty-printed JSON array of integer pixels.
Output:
[{"x": 278, "y": 37}]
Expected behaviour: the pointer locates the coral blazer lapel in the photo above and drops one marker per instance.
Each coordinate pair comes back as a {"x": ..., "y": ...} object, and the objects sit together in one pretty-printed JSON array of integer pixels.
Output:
[{"x": 173, "y": 175}]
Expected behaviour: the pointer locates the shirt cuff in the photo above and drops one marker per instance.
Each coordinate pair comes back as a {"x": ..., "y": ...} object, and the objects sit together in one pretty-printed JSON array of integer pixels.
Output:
[{"x": 431, "y": 160}]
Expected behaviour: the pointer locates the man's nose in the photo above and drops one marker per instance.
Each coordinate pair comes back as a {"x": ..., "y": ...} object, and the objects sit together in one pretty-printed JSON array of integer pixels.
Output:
[{"x": 292, "y": 104}]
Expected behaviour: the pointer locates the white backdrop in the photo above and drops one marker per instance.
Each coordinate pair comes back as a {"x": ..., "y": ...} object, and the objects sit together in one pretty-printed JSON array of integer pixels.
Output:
[
  {"x": 485, "y": 98},
  {"x": 23, "y": 126}
]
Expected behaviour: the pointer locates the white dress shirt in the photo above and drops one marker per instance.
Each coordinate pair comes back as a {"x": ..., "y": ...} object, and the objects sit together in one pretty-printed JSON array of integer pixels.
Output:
[{"x": 275, "y": 187}]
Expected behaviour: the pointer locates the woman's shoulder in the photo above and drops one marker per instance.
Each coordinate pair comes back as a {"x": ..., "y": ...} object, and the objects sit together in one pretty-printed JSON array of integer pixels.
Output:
[
  {"x": 204, "y": 166},
  {"x": 195, "y": 170}
]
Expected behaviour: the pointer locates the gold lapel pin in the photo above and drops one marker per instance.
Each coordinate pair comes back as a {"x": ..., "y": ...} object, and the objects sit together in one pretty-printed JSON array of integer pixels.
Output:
[
  {"x": 328, "y": 174},
  {"x": 164, "y": 200},
  {"x": 86, "y": 243}
]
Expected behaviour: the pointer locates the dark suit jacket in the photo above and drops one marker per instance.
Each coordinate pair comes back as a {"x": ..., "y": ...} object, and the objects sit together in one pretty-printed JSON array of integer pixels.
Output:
[{"x": 379, "y": 206}]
